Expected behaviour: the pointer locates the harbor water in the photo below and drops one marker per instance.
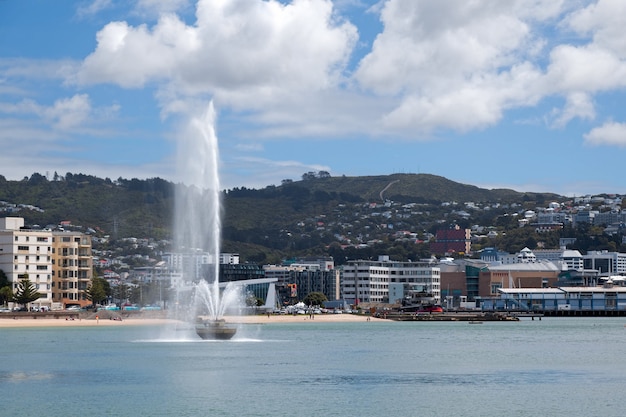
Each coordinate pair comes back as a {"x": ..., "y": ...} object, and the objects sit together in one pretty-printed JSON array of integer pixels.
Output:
[{"x": 554, "y": 366}]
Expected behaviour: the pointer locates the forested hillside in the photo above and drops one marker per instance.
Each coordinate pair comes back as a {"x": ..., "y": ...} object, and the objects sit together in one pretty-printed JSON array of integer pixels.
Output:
[{"x": 316, "y": 215}]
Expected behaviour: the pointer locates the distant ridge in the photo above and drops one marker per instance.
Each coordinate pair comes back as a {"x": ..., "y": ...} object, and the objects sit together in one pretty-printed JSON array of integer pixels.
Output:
[
  {"x": 295, "y": 217},
  {"x": 426, "y": 187}
]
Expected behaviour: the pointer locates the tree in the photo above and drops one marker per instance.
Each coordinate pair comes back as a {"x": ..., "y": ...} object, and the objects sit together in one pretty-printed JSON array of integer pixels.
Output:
[
  {"x": 4, "y": 281},
  {"x": 6, "y": 292},
  {"x": 315, "y": 299},
  {"x": 26, "y": 292},
  {"x": 97, "y": 290}
]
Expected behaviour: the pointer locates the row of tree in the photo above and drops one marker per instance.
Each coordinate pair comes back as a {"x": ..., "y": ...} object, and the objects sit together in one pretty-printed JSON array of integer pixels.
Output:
[{"x": 26, "y": 291}]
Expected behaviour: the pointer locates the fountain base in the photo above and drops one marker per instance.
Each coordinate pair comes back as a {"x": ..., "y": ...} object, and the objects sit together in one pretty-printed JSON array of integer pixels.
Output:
[{"x": 209, "y": 329}]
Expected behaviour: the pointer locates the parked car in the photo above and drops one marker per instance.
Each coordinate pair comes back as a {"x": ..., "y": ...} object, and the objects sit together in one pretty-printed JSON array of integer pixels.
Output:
[{"x": 5, "y": 310}]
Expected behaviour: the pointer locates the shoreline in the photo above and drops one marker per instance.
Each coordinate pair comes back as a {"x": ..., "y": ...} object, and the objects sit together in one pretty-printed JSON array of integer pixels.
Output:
[{"x": 140, "y": 321}]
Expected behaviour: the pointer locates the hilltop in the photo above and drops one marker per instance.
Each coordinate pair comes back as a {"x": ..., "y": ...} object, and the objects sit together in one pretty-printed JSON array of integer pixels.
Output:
[{"x": 296, "y": 217}]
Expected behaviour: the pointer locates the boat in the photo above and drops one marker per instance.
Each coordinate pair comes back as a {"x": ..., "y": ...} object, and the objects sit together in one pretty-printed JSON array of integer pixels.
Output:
[
  {"x": 420, "y": 302},
  {"x": 422, "y": 308},
  {"x": 430, "y": 308},
  {"x": 209, "y": 329}
]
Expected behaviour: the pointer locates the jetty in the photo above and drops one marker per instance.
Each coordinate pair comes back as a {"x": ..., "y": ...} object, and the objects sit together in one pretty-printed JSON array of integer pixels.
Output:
[{"x": 451, "y": 316}]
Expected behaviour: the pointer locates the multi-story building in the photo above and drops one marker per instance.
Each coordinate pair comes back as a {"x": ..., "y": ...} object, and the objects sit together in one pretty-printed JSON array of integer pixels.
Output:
[
  {"x": 59, "y": 264},
  {"x": 449, "y": 241},
  {"x": 605, "y": 262},
  {"x": 26, "y": 253},
  {"x": 365, "y": 281},
  {"x": 192, "y": 265},
  {"x": 72, "y": 266},
  {"x": 609, "y": 217},
  {"x": 298, "y": 280}
]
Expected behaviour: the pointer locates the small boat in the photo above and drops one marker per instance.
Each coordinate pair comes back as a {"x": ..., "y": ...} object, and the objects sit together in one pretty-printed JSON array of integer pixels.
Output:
[
  {"x": 214, "y": 329},
  {"x": 431, "y": 308}
]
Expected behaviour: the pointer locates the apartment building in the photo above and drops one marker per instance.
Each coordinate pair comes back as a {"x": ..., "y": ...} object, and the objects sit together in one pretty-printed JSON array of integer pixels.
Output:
[
  {"x": 72, "y": 265},
  {"x": 365, "y": 281},
  {"x": 27, "y": 253},
  {"x": 59, "y": 264}
]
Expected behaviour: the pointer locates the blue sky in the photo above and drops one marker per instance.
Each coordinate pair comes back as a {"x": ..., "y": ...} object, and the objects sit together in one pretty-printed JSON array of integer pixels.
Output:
[{"x": 527, "y": 94}]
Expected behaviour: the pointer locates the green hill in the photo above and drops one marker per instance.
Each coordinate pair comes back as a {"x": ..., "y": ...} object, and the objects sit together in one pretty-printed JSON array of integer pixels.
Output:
[{"x": 296, "y": 217}]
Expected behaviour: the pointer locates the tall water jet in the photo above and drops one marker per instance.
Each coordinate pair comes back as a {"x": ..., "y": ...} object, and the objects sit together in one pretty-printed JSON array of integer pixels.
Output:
[{"x": 197, "y": 225}]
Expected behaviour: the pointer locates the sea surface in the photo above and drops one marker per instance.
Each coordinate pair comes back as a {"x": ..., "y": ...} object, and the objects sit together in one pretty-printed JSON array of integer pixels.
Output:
[{"x": 553, "y": 366}]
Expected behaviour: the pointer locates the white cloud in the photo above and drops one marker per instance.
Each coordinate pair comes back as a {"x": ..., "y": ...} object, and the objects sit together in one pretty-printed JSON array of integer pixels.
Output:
[
  {"x": 280, "y": 50},
  {"x": 605, "y": 21},
  {"x": 456, "y": 64},
  {"x": 249, "y": 147},
  {"x": 156, "y": 7},
  {"x": 64, "y": 114},
  {"x": 69, "y": 112},
  {"x": 610, "y": 133},
  {"x": 92, "y": 8},
  {"x": 578, "y": 105},
  {"x": 451, "y": 64},
  {"x": 586, "y": 68}
]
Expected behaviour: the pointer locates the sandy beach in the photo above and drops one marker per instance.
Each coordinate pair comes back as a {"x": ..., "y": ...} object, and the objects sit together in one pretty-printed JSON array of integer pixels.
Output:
[{"x": 138, "y": 321}]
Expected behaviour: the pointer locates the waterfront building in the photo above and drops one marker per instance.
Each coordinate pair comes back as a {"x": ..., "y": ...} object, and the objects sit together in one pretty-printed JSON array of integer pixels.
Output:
[
  {"x": 365, "y": 281},
  {"x": 461, "y": 280},
  {"x": 540, "y": 274},
  {"x": 598, "y": 298},
  {"x": 58, "y": 263},
  {"x": 72, "y": 266},
  {"x": 296, "y": 280},
  {"x": 26, "y": 253}
]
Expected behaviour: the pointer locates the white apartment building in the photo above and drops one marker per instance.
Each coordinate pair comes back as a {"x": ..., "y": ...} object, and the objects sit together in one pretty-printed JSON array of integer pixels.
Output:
[
  {"x": 27, "y": 253},
  {"x": 59, "y": 264},
  {"x": 366, "y": 281}
]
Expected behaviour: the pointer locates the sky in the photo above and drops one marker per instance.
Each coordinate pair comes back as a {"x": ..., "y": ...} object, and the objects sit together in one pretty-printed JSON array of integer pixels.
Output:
[{"x": 521, "y": 94}]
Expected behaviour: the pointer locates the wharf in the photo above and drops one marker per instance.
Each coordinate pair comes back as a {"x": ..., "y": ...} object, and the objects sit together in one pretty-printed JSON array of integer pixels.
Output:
[
  {"x": 452, "y": 316},
  {"x": 532, "y": 316}
]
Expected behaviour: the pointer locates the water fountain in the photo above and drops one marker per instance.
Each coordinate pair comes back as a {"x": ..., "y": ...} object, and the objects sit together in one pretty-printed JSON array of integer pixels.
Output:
[{"x": 197, "y": 229}]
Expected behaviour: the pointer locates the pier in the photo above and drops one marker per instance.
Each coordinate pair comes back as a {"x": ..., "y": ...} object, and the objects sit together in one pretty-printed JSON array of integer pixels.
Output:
[{"x": 452, "y": 316}]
